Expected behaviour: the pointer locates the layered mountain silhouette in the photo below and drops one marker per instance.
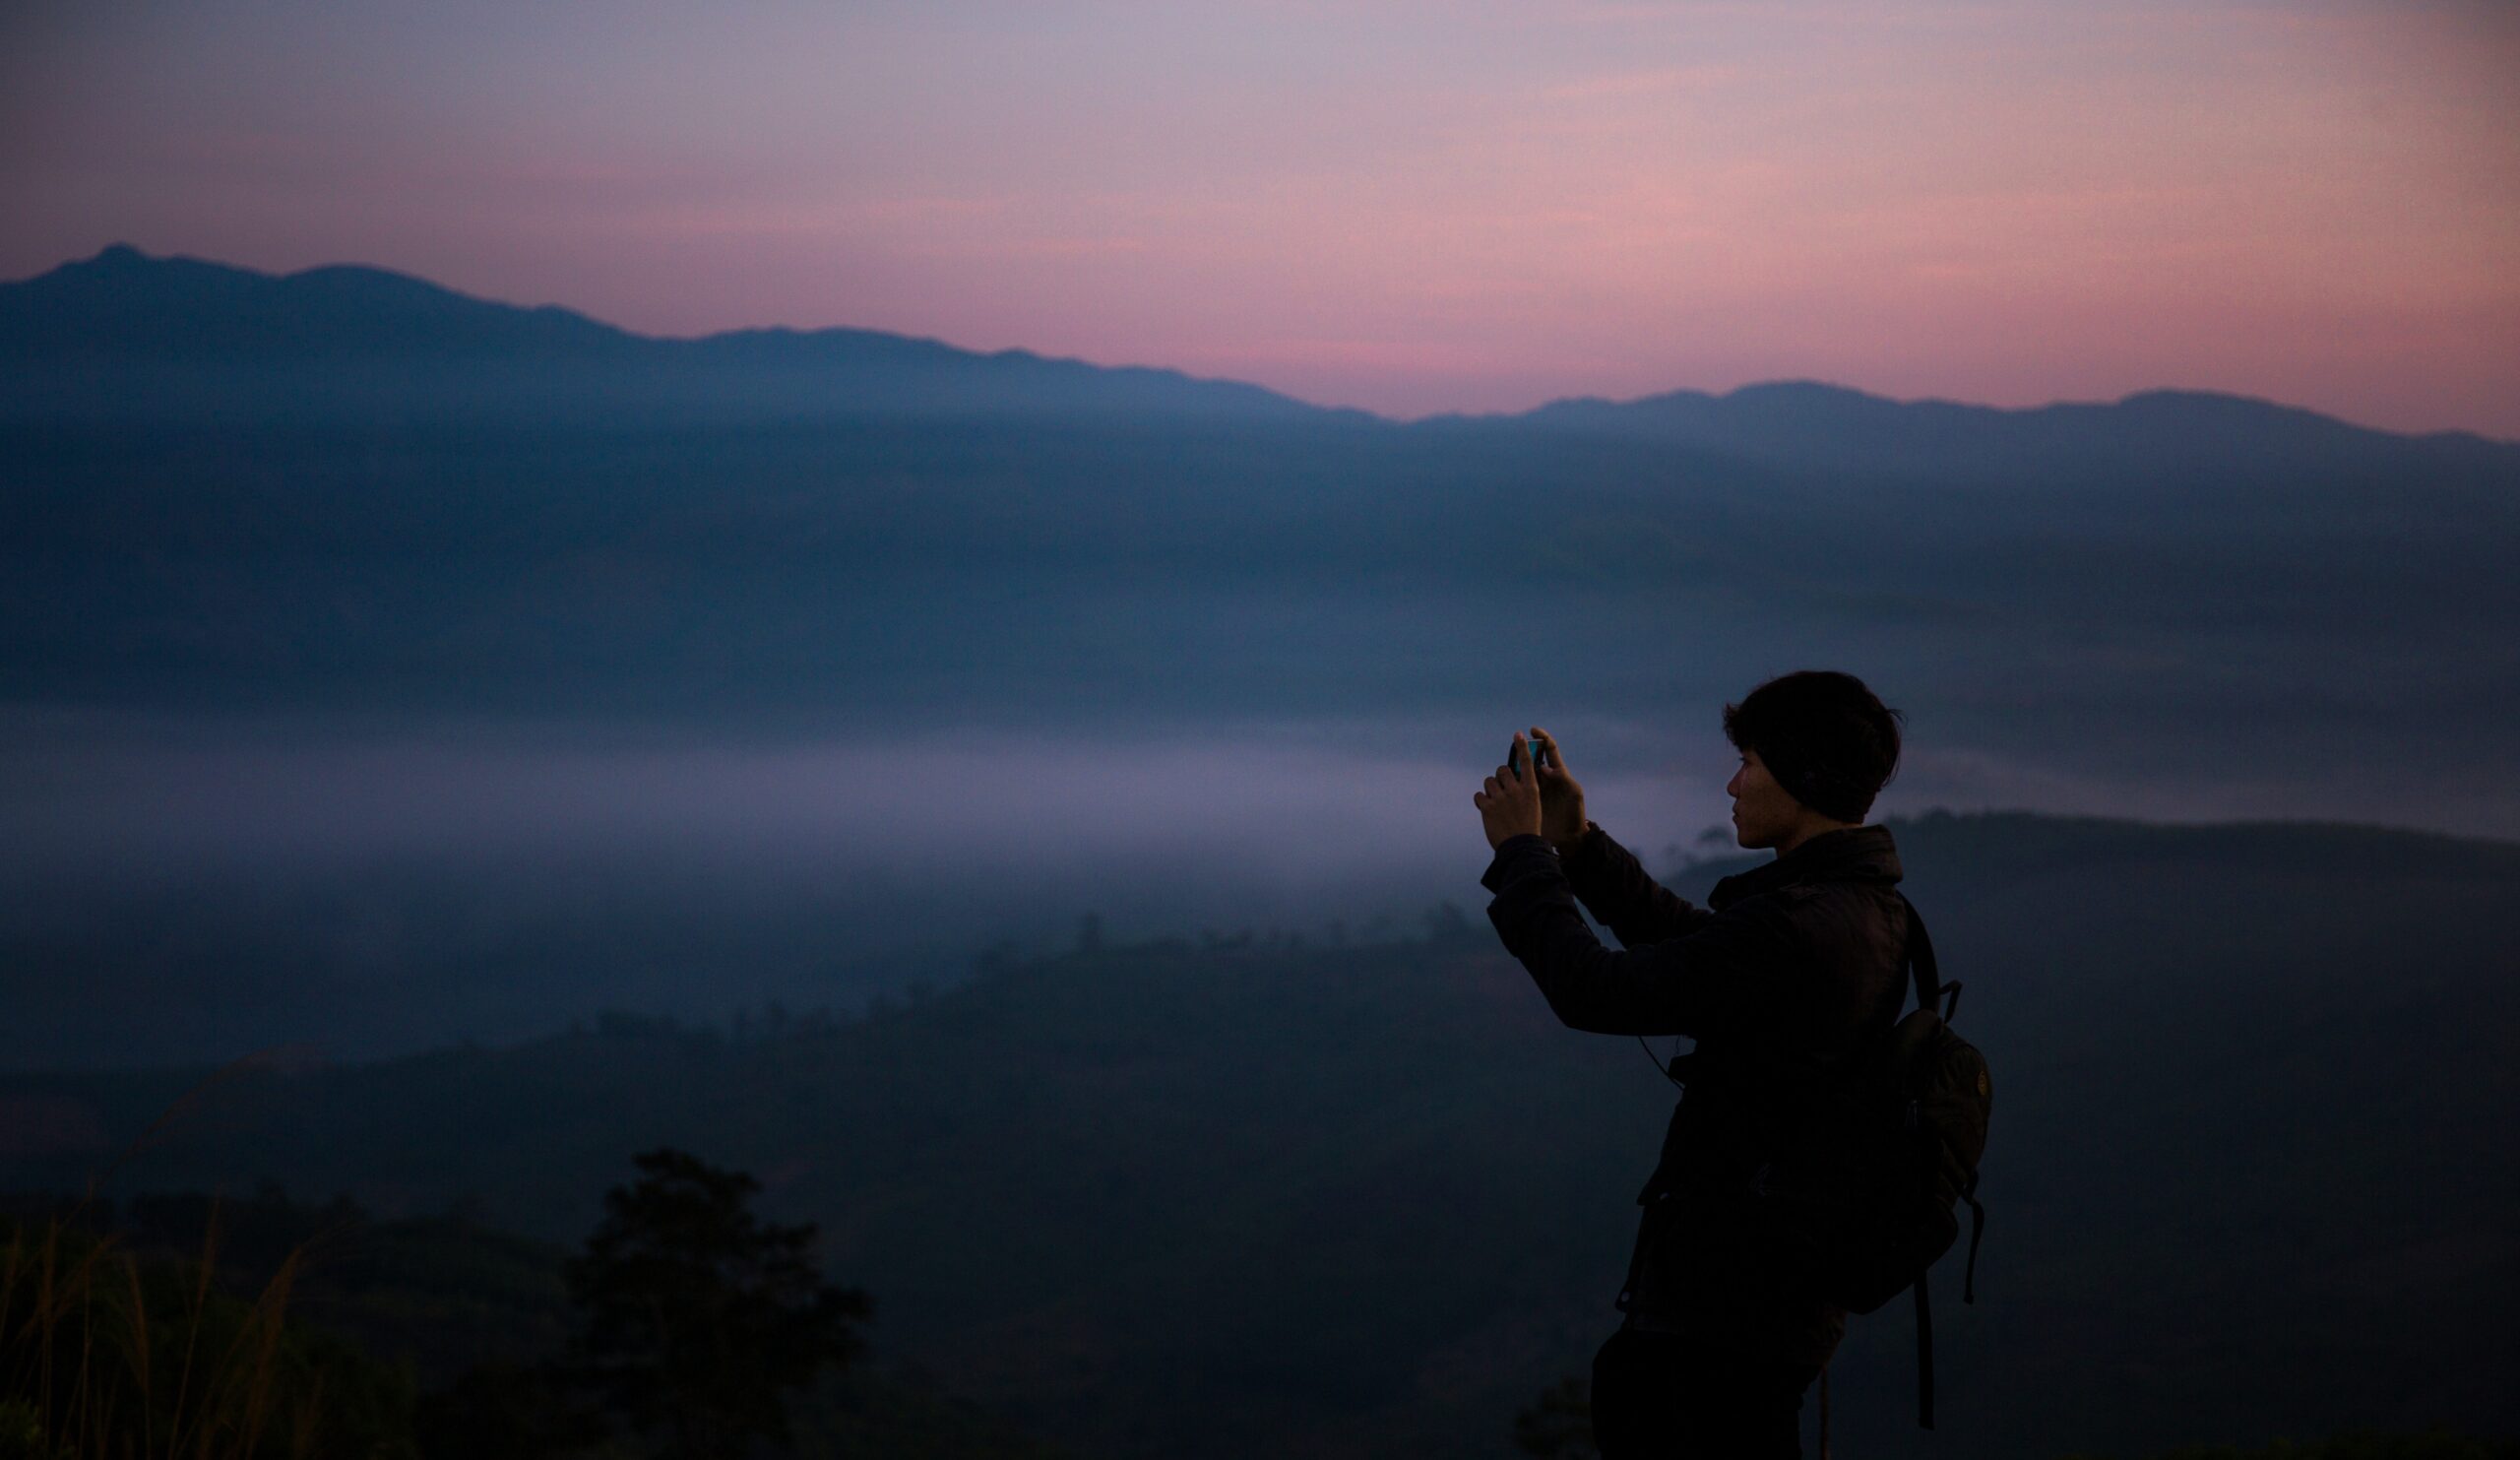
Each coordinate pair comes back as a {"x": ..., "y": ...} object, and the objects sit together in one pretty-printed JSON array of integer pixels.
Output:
[
  {"x": 1811, "y": 422},
  {"x": 347, "y": 487},
  {"x": 137, "y": 338}
]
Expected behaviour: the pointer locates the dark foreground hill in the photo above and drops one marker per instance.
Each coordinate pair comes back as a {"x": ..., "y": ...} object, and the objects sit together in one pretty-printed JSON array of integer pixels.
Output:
[
  {"x": 2250, "y": 1175},
  {"x": 405, "y": 1338}
]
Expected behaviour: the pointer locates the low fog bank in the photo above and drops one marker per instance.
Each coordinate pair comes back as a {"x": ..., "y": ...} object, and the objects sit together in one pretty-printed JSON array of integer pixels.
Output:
[{"x": 195, "y": 889}]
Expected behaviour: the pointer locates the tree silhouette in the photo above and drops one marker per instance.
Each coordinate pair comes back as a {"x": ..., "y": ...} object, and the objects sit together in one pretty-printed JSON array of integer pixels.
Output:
[{"x": 696, "y": 1317}]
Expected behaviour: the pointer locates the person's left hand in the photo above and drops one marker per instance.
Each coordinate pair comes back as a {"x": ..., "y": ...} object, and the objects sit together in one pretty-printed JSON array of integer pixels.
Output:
[{"x": 1509, "y": 805}]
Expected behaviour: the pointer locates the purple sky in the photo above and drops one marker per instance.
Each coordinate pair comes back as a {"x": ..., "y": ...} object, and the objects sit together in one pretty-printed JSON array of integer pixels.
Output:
[{"x": 1410, "y": 207}]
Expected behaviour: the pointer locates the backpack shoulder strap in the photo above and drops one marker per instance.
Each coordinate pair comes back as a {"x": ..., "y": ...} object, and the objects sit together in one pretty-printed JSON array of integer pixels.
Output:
[
  {"x": 1931, "y": 992},
  {"x": 1931, "y": 989}
]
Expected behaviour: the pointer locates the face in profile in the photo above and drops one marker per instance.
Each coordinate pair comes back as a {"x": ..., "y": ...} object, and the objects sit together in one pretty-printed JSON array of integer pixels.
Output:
[{"x": 1764, "y": 814}]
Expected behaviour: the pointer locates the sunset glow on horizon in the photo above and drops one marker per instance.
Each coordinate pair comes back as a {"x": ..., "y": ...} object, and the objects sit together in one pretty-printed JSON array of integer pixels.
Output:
[{"x": 1410, "y": 208}]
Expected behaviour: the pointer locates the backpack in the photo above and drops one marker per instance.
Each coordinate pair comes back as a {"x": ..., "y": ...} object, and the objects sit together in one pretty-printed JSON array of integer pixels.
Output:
[{"x": 1865, "y": 1197}]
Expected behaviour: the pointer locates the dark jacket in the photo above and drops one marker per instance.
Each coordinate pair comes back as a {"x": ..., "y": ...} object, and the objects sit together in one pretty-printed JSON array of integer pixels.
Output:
[{"x": 1790, "y": 967}]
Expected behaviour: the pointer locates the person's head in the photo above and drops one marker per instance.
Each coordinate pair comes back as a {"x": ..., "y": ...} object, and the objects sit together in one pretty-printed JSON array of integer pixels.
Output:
[{"x": 1816, "y": 747}]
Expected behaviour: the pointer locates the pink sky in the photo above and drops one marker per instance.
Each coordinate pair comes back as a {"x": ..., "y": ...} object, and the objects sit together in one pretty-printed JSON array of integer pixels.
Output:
[{"x": 1410, "y": 207}]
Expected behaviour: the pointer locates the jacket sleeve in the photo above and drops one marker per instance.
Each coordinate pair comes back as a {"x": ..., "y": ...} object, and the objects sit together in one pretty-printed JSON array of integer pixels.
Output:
[
  {"x": 1715, "y": 979},
  {"x": 1615, "y": 890}
]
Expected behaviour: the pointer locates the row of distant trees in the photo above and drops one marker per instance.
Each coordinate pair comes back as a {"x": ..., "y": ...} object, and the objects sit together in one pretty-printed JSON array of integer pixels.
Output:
[{"x": 1442, "y": 922}]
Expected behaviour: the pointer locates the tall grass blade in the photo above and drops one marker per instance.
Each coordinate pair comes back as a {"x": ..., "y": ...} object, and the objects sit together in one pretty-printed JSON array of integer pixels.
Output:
[{"x": 192, "y": 1337}]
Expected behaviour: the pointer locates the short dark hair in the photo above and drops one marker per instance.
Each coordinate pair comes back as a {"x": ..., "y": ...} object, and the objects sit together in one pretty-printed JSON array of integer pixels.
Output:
[{"x": 1826, "y": 738}]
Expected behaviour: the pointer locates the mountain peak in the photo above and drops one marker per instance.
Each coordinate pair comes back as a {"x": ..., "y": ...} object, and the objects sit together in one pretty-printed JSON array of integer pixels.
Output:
[
  {"x": 120, "y": 268},
  {"x": 114, "y": 261},
  {"x": 1803, "y": 389}
]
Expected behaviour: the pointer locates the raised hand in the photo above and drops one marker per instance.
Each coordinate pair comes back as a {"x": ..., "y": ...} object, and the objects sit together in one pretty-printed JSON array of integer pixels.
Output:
[
  {"x": 1509, "y": 804},
  {"x": 1561, "y": 796}
]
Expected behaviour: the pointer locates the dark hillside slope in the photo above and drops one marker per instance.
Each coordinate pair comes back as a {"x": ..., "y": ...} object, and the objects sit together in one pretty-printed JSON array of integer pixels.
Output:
[{"x": 2251, "y": 1173}]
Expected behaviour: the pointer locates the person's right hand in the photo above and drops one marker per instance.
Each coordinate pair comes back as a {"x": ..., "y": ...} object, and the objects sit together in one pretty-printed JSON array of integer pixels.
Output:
[{"x": 1561, "y": 796}]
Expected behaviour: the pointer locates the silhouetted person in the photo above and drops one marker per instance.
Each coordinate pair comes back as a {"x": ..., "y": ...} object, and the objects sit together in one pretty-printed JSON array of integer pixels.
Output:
[{"x": 1789, "y": 967}]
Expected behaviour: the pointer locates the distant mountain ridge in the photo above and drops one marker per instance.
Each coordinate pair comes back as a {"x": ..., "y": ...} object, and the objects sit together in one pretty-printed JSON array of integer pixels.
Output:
[
  {"x": 1819, "y": 425},
  {"x": 349, "y": 487},
  {"x": 127, "y": 334},
  {"x": 122, "y": 302}
]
